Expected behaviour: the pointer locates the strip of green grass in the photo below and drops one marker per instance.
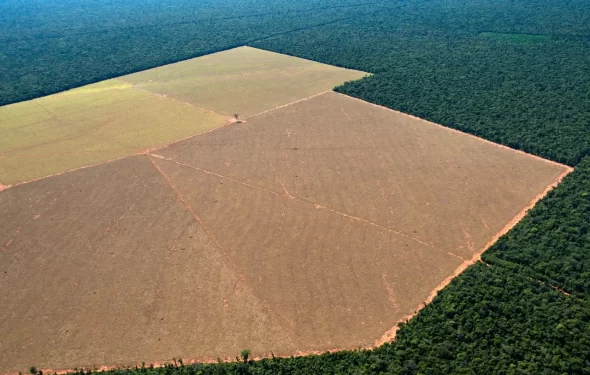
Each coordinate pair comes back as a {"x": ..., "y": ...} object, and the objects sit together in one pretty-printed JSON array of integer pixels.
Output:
[{"x": 515, "y": 38}]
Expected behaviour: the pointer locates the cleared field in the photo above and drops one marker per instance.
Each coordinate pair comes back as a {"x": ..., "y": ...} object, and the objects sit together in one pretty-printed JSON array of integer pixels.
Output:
[
  {"x": 105, "y": 265},
  {"x": 88, "y": 125},
  {"x": 242, "y": 80},
  {"x": 448, "y": 189},
  {"x": 144, "y": 277},
  {"x": 125, "y": 116},
  {"x": 315, "y": 226}
]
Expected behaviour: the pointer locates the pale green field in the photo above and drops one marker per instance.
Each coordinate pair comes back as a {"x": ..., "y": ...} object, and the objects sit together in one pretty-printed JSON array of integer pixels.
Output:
[
  {"x": 88, "y": 125},
  {"x": 123, "y": 116},
  {"x": 242, "y": 80}
]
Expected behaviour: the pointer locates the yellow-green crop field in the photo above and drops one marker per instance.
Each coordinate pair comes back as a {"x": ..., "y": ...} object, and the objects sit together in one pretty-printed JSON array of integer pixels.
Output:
[
  {"x": 88, "y": 125},
  {"x": 243, "y": 80},
  {"x": 124, "y": 116}
]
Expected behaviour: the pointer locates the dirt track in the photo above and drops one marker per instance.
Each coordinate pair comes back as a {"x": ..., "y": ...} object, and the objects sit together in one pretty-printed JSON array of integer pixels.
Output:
[
  {"x": 448, "y": 189},
  {"x": 312, "y": 227}
]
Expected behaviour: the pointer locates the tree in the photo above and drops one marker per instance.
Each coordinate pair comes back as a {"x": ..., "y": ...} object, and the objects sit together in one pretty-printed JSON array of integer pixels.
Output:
[{"x": 245, "y": 354}]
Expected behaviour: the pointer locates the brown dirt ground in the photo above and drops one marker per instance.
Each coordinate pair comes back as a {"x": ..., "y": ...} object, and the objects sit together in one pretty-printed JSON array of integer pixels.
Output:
[
  {"x": 104, "y": 265},
  {"x": 316, "y": 226},
  {"x": 448, "y": 189},
  {"x": 329, "y": 280}
]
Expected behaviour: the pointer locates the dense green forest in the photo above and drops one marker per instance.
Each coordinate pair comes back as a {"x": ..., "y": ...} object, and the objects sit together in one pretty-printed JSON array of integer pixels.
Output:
[
  {"x": 552, "y": 242},
  {"x": 514, "y": 72}
]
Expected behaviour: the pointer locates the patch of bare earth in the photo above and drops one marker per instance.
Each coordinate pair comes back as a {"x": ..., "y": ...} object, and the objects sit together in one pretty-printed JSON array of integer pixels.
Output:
[
  {"x": 106, "y": 266},
  {"x": 315, "y": 226}
]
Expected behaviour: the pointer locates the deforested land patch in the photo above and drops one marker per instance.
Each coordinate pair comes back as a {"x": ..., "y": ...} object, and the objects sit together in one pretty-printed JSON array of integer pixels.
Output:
[
  {"x": 242, "y": 80},
  {"x": 89, "y": 125},
  {"x": 316, "y": 226},
  {"x": 132, "y": 114}
]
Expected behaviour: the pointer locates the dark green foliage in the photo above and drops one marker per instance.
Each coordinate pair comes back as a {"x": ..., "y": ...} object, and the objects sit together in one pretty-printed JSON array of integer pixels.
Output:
[
  {"x": 48, "y": 46},
  {"x": 490, "y": 321},
  {"x": 245, "y": 354},
  {"x": 553, "y": 240},
  {"x": 515, "y": 72}
]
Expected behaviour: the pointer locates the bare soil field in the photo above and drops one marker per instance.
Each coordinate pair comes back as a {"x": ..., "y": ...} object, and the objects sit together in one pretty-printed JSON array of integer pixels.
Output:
[
  {"x": 312, "y": 227},
  {"x": 105, "y": 265},
  {"x": 451, "y": 190}
]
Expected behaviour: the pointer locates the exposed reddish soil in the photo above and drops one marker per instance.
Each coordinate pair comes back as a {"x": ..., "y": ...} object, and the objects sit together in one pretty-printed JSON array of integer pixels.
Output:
[
  {"x": 105, "y": 265},
  {"x": 316, "y": 226},
  {"x": 444, "y": 188}
]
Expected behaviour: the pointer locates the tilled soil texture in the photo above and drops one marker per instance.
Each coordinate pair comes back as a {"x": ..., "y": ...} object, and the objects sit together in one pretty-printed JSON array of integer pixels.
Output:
[
  {"x": 446, "y": 189},
  {"x": 316, "y": 226},
  {"x": 105, "y": 265}
]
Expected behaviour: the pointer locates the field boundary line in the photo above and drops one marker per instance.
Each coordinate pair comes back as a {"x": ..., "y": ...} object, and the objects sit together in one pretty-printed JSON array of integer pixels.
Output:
[
  {"x": 288, "y": 104},
  {"x": 144, "y": 151},
  {"x": 389, "y": 335},
  {"x": 67, "y": 171},
  {"x": 190, "y": 209},
  {"x": 460, "y": 132},
  {"x": 315, "y": 205},
  {"x": 71, "y": 153},
  {"x": 218, "y": 175},
  {"x": 167, "y": 97},
  {"x": 222, "y": 250},
  {"x": 152, "y": 149},
  {"x": 320, "y": 206}
]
